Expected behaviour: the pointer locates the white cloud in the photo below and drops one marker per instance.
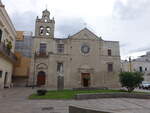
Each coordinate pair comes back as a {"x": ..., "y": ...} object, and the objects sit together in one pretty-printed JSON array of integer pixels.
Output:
[{"x": 124, "y": 20}]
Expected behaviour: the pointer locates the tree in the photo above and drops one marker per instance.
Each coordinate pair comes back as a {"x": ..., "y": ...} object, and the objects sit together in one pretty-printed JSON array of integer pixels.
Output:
[{"x": 131, "y": 80}]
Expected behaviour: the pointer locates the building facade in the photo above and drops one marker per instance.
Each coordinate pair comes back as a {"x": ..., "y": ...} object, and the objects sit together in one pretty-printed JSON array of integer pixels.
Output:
[
  {"x": 24, "y": 43},
  {"x": 23, "y": 51},
  {"x": 80, "y": 60},
  {"x": 7, "y": 46},
  {"x": 141, "y": 64}
]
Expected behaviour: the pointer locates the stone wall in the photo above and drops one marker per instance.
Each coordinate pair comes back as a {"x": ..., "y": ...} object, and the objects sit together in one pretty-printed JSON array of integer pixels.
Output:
[
  {"x": 73, "y": 109},
  {"x": 112, "y": 95}
]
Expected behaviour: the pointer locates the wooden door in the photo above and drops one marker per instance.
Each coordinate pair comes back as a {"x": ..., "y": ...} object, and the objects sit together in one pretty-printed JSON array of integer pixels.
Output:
[
  {"x": 85, "y": 79},
  {"x": 41, "y": 78}
]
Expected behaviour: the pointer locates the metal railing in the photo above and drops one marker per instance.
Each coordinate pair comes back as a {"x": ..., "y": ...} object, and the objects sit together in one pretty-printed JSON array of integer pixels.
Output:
[{"x": 7, "y": 53}]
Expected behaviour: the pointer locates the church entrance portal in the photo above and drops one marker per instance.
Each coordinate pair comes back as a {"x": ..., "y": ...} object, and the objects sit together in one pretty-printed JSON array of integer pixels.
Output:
[
  {"x": 85, "y": 79},
  {"x": 41, "y": 78}
]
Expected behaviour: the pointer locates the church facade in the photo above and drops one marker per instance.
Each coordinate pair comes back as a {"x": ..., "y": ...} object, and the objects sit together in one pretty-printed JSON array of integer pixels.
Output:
[{"x": 80, "y": 60}]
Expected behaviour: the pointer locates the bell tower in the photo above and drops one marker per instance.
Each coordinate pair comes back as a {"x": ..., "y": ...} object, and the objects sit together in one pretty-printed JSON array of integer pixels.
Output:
[{"x": 44, "y": 27}]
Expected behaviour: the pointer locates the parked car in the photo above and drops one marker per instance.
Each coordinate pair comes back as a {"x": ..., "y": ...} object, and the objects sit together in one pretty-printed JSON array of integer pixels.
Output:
[{"x": 145, "y": 85}]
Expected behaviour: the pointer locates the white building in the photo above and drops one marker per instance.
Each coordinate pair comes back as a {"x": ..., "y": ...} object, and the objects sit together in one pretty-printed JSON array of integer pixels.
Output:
[
  {"x": 141, "y": 64},
  {"x": 7, "y": 46}
]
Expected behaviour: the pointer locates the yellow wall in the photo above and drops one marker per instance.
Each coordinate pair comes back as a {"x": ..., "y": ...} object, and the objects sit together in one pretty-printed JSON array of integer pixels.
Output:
[
  {"x": 19, "y": 35},
  {"x": 21, "y": 68}
]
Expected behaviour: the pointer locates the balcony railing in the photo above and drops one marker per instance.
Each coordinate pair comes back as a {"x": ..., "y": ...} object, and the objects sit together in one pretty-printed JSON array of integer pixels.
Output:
[
  {"x": 41, "y": 54},
  {"x": 7, "y": 53}
]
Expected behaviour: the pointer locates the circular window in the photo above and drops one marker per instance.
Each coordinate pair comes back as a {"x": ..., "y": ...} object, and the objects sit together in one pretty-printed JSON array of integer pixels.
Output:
[{"x": 85, "y": 49}]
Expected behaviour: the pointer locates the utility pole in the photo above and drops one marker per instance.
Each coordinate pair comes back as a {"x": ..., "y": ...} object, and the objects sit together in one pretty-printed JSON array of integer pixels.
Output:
[{"x": 33, "y": 84}]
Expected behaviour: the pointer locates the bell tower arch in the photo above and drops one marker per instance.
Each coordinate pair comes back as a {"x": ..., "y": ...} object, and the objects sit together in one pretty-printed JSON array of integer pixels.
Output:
[{"x": 44, "y": 27}]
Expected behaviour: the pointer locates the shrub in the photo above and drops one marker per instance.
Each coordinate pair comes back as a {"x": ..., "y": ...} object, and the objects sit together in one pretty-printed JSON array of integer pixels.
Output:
[
  {"x": 9, "y": 45},
  {"x": 131, "y": 80},
  {"x": 41, "y": 92}
]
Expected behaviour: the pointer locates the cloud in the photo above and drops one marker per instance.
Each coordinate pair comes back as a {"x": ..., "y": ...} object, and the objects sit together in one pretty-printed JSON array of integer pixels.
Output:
[
  {"x": 123, "y": 45},
  {"x": 133, "y": 9},
  {"x": 131, "y": 19},
  {"x": 24, "y": 21},
  {"x": 141, "y": 49},
  {"x": 68, "y": 26},
  {"x": 64, "y": 26},
  {"x": 127, "y": 22}
]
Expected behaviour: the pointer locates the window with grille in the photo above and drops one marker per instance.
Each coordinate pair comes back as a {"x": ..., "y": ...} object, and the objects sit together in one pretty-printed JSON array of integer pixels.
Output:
[
  {"x": 110, "y": 67},
  {"x": 60, "y": 48},
  {"x": 109, "y": 52},
  {"x": 42, "y": 47}
]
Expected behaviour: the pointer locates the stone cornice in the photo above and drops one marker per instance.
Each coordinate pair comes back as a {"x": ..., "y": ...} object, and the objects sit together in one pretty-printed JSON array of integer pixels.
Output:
[
  {"x": 1, "y": 23},
  {"x": 5, "y": 29},
  {"x": 8, "y": 20}
]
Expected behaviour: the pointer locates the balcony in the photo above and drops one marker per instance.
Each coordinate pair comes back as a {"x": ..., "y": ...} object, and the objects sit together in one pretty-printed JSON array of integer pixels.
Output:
[
  {"x": 41, "y": 54},
  {"x": 7, "y": 53}
]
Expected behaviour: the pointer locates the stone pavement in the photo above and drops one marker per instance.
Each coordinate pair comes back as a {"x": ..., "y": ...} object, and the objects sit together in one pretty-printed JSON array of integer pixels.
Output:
[{"x": 16, "y": 100}]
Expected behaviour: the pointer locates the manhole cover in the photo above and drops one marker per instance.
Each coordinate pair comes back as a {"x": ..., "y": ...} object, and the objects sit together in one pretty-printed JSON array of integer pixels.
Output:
[{"x": 47, "y": 108}]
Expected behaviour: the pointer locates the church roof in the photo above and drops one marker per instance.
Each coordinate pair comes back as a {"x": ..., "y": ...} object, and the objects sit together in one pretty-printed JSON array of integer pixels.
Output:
[
  {"x": 46, "y": 11},
  {"x": 86, "y": 31}
]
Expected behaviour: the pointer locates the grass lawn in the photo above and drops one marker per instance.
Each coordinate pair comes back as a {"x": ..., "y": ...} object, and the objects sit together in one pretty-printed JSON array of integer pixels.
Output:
[{"x": 69, "y": 94}]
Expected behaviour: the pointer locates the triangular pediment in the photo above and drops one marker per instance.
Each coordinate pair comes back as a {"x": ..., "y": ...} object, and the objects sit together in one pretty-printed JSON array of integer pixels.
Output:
[{"x": 85, "y": 34}]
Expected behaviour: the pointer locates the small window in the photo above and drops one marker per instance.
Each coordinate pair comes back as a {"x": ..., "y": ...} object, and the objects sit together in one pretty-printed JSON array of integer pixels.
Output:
[
  {"x": 60, "y": 48},
  {"x": 0, "y": 35},
  {"x": 110, "y": 67},
  {"x": 41, "y": 30},
  {"x": 1, "y": 72},
  {"x": 109, "y": 52},
  {"x": 146, "y": 69},
  {"x": 140, "y": 69},
  {"x": 59, "y": 67}
]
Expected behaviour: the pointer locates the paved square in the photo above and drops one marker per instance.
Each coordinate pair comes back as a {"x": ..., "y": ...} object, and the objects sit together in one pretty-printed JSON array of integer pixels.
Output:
[{"x": 16, "y": 101}]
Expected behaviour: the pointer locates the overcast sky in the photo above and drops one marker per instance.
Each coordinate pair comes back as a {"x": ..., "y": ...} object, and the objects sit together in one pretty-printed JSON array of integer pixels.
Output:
[{"x": 127, "y": 21}]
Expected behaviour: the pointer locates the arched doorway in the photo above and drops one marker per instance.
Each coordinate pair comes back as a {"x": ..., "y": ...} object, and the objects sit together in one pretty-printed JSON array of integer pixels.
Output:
[{"x": 41, "y": 78}]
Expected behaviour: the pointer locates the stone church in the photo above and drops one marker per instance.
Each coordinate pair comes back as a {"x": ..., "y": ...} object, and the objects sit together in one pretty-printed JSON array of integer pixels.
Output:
[{"x": 78, "y": 61}]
